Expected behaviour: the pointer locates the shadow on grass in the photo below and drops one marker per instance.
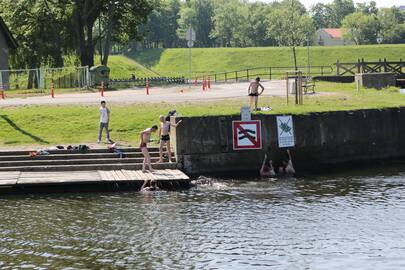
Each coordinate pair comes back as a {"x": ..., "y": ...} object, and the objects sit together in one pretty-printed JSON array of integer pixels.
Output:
[{"x": 26, "y": 133}]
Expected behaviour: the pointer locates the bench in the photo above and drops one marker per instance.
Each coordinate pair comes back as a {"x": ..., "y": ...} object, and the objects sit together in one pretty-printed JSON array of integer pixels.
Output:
[{"x": 308, "y": 84}]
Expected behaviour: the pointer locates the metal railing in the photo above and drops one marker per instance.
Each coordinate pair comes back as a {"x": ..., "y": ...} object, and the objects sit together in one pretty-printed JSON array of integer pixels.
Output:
[{"x": 265, "y": 73}]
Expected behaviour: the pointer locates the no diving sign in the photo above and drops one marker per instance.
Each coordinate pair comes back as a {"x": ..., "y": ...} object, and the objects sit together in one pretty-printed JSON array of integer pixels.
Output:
[{"x": 247, "y": 135}]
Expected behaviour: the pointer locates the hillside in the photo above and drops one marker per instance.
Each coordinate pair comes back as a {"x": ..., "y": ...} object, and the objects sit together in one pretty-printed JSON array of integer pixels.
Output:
[
  {"x": 209, "y": 60},
  {"x": 123, "y": 67}
]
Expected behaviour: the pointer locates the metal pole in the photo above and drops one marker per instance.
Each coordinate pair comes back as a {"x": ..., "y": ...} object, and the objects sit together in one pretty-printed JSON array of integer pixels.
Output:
[
  {"x": 309, "y": 66},
  {"x": 189, "y": 62}
]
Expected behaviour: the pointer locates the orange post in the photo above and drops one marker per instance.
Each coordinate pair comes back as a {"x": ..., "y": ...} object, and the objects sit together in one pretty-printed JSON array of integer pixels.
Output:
[
  {"x": 102, "y": 88},
  {"x": 147, "y": 87},
  {"x": 3, "y": 96},
  {"x": 53, "y": 89},
  {"x": 203, "y": 84}
]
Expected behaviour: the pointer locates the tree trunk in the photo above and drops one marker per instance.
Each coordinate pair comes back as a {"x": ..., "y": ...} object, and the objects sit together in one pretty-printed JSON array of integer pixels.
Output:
[
  {"x": 107, "y": 44},
  {"x": 295, "y": 58}
]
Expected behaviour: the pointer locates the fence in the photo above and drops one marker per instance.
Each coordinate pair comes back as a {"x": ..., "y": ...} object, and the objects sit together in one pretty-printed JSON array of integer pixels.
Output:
[
  {"x": 361, "y": 66},
  {"x": 267, "y": 73},
  {"x": 153, "y": 81},
  {"x": 41, "y": 78}
]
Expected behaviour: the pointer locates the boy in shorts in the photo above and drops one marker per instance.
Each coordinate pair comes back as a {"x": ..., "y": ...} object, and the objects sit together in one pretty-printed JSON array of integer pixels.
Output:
[
  {"x": 164, "y": 135},
  {"x": 145, "y": 139}
]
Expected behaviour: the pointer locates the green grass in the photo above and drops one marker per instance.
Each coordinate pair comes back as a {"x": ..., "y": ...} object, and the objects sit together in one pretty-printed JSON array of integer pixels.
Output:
[
  {"x": 52, "y": 125},
  {"x": 210, "y": 60},
  {"x": 122, "y": 67}
]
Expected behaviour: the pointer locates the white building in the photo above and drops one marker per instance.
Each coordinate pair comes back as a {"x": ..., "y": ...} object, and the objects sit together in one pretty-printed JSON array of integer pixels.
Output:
[{"x": 330, "y": 37}]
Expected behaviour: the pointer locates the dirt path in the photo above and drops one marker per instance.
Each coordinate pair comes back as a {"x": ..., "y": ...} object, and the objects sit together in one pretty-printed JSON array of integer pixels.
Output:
[{"x": 157, "y": 95}]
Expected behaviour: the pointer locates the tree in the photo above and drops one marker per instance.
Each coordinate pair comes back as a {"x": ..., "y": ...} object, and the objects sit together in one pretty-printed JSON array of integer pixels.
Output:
[
  {"x": 367, "y": 8},
  {"x": 322, "y": 14},
  {"x": 257, "y": 23},
  {"x": 340, "y": 9},
  {"x": 392, "y": 22},
  {"x": 41, "y": 32},
  {"x": 229, "y": 23},
  {"x": 290, "y": 25},
  {"x": 121, "y": 17},
  {"x": 361, "y": 28}
]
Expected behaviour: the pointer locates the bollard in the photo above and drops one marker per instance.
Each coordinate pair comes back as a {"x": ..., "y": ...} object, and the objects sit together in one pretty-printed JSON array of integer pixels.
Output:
[
  {"x": 3, "y": 96},
  {"x": 102, "y": 88},
  {"x": 195, "y": 82},
  {"x": 147, "y": 87},
  {"x": 53, "y": 89},
  {"x": 209, "y": 83},
  {"x": 203, "y": 85}
]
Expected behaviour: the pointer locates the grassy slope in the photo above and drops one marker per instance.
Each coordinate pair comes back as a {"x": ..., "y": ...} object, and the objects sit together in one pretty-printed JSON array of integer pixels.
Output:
[
  {"x": 123, "y": 67},
  {"x": 171, "y": 61},
  {"x": 53, "y": 125}
]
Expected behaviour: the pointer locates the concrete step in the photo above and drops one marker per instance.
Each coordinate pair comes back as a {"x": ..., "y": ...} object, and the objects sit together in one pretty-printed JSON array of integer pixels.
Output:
[
  {"x": 90, "y": 167},
  {"x": 34, "y": 162},
  {"x": 76, "y": 156},
  {"x": 25, "y": 152}
]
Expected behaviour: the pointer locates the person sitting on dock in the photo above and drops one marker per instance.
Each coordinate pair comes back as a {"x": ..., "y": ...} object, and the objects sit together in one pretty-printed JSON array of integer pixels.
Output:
[
  {"x": 287, "y": 169},
  {"x": 145, "y": 139},
  {"x": 164, "y": 135},
  {"x": 267, "y": 169},
  {"x": 253, "y": 92}
]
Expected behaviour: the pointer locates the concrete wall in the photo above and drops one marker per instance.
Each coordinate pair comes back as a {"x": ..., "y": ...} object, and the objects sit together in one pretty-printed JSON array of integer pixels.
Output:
[
  {"x": 3, "y": 60},
  {"x": 376, "y": 80},
  {"x": 204, "y": 144}
]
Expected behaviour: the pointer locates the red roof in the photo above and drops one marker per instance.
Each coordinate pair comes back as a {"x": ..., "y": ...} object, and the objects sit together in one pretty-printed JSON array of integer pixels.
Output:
[{"x": 334, "y": 32}]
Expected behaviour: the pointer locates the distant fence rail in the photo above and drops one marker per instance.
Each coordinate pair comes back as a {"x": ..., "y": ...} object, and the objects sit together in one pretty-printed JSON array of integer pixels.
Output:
[
  {"x": 361, "y": 66},
  {"x": 266, "y": 73},
  {"x": 151, "y": 80}
]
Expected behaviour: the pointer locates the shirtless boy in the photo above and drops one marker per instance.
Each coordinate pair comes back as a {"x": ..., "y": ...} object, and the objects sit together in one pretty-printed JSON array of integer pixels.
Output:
[
  {"x": 164, "y": 136},
  {"x": 145, "y": 139},
  {"x": 253, "y": 92}
]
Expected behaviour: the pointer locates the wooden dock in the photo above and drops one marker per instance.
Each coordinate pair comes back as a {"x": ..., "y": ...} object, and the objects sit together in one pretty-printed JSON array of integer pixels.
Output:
[{"x": 30, "y": 178}]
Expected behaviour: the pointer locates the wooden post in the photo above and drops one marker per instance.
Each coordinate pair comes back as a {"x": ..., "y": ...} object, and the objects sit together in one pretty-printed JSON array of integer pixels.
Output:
[
  {"x": 337, "y": 68},
  {"x": 53, "y": 89},
  {"x": 236, "y": 76},
  {"x": 270, "y": 72},
  {"x": 247, "y": 74}
]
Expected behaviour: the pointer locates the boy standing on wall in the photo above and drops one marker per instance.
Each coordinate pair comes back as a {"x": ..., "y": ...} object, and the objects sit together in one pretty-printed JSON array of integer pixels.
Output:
[
  {"x": 253, "y": 92},
  {"x": 164, "y": 135},
  {"x": 104, "y": 120}
]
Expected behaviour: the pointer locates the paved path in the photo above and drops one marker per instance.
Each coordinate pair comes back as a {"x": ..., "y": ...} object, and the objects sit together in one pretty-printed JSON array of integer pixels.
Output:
[{"x": 157, "y": 95}]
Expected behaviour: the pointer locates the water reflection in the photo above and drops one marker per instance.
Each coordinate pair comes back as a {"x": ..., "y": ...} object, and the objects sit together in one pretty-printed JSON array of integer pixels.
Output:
[{"x": 335, "y": 221}]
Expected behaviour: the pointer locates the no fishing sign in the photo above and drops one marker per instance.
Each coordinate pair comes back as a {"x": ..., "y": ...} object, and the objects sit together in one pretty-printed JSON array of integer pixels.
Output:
[
  {"x": 247, "y": 135},
  {"x": 285, "y": 130}
]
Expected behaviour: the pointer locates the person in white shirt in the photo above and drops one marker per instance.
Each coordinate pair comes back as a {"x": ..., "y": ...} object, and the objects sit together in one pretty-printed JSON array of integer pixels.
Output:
[{"x": 104, "y": 120}]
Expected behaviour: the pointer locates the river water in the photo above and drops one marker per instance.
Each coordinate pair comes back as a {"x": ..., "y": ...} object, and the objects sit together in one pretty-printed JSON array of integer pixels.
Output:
[{"x": 352, "y": 220}]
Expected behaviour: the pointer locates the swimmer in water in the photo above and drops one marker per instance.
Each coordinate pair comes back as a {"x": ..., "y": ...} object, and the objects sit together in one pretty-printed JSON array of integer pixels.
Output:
[
  {"x": 253, "y": 92},
  {"x": 145, "y": 139},
  {"x": 287, "y": 169},
  {"x": 267, "y": 169},
  {"x": 149, "y": 185},
  {"x": 164, "y": 135}
]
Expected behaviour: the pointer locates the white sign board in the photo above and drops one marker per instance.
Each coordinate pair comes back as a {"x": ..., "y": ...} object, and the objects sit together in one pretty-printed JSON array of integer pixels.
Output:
[
  {"x": 247, "y": 135},
  {"x": 285, "y": 130},
  {"x": 245, "y": 114}
]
